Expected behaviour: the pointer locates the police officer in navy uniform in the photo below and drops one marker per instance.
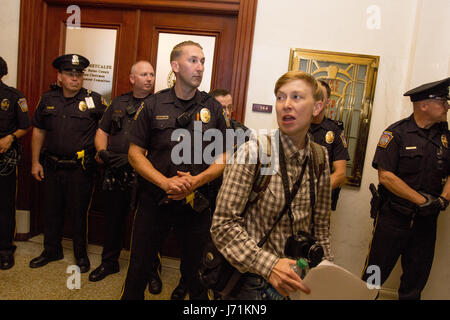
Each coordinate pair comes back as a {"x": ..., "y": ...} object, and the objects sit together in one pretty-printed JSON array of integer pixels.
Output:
[
  {"x": 62, "y": 151},
  {"x": 413, "y": 163},
  {"x": 166, "y": 152},
  {"x": 14, "y": 124},
  {"x": 330, "y": 134},
  {"x": 226, "y": 100},
  {"x": 112, "y": 144}
]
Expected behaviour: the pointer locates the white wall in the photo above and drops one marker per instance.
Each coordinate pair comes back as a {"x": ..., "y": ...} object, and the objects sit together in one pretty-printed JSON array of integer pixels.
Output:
[
  {"x": 412, "y": 51},
  {"x": 9, "y": 35}
]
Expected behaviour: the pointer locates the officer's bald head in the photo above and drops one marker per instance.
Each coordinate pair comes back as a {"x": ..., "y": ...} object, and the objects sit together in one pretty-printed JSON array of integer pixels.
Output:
[{"x": 139, "y": 65}]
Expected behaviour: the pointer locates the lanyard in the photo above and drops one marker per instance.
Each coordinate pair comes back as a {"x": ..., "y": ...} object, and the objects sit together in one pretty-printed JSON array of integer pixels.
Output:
[{"x": 289, "y": 196}]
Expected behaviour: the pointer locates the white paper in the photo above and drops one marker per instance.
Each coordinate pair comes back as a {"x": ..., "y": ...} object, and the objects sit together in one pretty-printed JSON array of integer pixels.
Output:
[{"x": 328, "y": 281}]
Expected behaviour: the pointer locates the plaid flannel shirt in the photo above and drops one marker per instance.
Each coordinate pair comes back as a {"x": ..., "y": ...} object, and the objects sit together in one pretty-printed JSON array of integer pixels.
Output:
[{"x": 236, "y": 234}]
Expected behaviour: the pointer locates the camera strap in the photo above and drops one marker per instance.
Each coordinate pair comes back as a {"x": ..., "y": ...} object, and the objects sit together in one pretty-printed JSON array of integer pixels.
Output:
[{"x": 289, "y": 196}]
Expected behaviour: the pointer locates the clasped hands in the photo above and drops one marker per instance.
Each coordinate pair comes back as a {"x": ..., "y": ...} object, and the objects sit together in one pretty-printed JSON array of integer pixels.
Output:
[{"x": 181, "y": 185}]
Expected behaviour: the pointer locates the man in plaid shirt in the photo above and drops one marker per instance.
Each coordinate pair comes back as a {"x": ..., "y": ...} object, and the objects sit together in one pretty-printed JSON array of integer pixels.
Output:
[{"x": 236, "y": 234}]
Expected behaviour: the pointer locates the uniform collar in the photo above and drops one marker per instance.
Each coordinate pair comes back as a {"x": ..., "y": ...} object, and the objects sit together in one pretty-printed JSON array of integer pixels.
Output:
[
  {"x": 413, "y": 127},
  {"x": 79, "y": 96},
  {"x": 126, "y": 96},
  {"x": 171, "y": 98}
]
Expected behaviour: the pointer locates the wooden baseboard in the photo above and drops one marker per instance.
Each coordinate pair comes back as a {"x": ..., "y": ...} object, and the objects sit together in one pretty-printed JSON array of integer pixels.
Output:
[{"x": 22, "y": 237}]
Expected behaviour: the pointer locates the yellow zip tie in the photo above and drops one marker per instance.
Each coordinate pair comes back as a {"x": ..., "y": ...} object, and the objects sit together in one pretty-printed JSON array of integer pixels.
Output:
[
  {"x": 80, "y": 155},
  {"x": 190, "y": 199}
]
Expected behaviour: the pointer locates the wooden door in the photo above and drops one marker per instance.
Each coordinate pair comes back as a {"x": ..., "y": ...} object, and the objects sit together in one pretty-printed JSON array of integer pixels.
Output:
[{"x": 137, "y": 25}]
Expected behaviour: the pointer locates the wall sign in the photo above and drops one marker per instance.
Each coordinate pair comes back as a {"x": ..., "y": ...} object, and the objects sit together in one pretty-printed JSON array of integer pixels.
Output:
[{"x": 99, "y": 47}]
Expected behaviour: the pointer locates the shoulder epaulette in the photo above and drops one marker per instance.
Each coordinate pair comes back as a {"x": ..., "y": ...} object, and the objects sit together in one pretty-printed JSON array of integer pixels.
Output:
[
  {"x": 339, "y": 123},
  {"x": 13, "y": 90},
  {"x": 163, "y": 90}
]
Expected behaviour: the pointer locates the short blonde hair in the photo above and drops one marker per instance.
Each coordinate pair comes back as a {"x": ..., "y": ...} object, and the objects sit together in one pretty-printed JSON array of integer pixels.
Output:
[
  {"x": 178, "y": 49},
  {"x": 300, "y": 75}
]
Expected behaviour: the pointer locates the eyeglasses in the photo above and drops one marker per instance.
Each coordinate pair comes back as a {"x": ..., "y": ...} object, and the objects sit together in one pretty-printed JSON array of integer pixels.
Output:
[{"x": 75, "y": 74}]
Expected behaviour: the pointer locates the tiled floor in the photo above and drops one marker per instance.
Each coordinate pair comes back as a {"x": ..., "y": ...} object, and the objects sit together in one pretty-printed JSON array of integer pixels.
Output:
[{"x": 50, "y": 282}]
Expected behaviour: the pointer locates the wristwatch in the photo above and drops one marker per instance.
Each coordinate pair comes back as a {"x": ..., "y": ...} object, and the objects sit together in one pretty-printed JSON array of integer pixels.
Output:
[{"x": 14, "y": 137}]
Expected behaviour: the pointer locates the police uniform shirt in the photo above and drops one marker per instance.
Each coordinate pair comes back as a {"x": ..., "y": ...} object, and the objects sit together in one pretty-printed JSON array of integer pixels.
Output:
[
  {"x": 13, "y": 110},
  {"x": 70, "y": 123},
  {"x": 419, "y": 157},
  {"x": 237, "y": 125},
  {"x": 117, "y": 120},
  {"x": 329, "y": 135},
  {"x": 156, "y": 121}
]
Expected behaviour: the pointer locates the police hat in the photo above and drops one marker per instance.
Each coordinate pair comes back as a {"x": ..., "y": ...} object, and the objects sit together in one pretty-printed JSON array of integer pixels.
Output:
[
  {"x": 3, "y": 68},
  {"x": 71, "y": 62},
  {"x": 432, "y": 90}
]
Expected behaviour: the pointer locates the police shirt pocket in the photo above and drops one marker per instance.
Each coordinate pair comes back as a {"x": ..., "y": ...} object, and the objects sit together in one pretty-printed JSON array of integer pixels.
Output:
[
  {"x": 6, "y": 119},
  {"x": 80, "y": 121},
  {"x": 410, "y": 160},
  {"x": 49, "y": 118},
  {"x": 162, "y": 135}
]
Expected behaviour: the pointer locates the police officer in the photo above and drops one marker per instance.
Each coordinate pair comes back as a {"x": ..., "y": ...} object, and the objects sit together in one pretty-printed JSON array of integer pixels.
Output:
[
  {"x": 175, "y": 179},
  {"x": 14, "y": 124},
  {"x": 330, "y": 134},
  {"x": 65, "y": 122},
  {"x": 413, "y": 163},
  {"x": 112, "y": 144},
  {"x": 226, "y": 100}
]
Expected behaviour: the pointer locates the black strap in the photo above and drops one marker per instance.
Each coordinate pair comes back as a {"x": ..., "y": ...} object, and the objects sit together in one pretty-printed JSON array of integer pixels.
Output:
[{"x": 289, "y": 196}]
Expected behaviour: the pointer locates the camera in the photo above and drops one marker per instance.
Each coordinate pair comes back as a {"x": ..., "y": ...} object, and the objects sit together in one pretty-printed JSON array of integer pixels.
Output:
[{"x": 303, "y": 245}]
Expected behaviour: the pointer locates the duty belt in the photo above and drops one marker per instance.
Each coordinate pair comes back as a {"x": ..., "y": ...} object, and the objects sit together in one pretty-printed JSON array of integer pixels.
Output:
[{"x": 64, "y": 162}]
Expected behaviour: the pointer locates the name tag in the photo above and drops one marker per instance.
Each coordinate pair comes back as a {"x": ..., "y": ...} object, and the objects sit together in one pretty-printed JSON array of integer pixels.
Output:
[
  {"x": 162, "y": 117},
  {"x": 90, "y": 102},
  {"x": 410, "y": 148}
]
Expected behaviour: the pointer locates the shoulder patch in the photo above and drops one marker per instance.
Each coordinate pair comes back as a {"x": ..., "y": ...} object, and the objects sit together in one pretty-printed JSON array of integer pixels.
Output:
[
  {"x": 385, "y": 138},
  {"x": 22, "y": 102}
]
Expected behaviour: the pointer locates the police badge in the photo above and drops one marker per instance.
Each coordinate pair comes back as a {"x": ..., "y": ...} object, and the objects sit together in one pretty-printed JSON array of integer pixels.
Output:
[
  {"x": 329, "y": 137},
  {"x": 82, "y": 106},
  {"x": 444, "y": 141},
  {"x": 75, "y": 60},
  {"x": 5, "y": 104},
  {"x": 205, "y": 115}
]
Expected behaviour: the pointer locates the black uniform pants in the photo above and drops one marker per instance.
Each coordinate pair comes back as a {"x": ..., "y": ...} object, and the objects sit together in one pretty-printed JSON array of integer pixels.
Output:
[
  {"x": 151, "y": 227},
  {"x": 7, "y": 213},
  {"x": 117, "y": 206},
  {"x": 394, "y": 237},
  {"x": 66, "y": 190}
]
